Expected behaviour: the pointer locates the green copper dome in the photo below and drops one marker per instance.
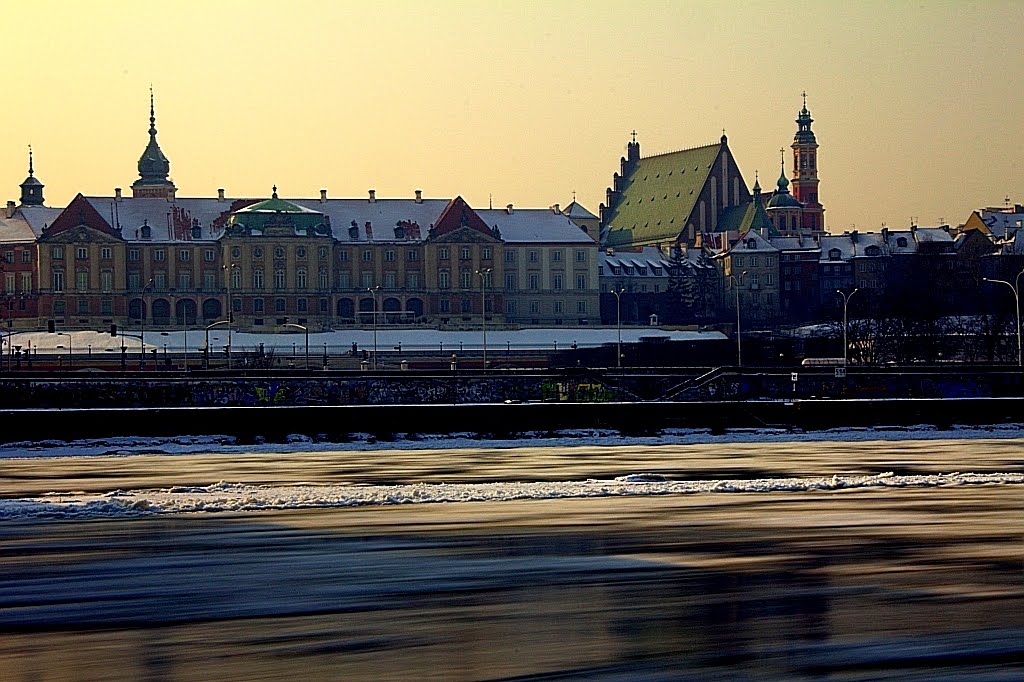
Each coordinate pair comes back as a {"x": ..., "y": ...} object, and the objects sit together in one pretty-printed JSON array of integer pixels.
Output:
[{"x": 277, "y": 216}]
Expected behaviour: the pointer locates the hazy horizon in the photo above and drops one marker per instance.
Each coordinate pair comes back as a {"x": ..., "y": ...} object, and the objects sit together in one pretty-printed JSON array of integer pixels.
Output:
[{"x": 916, "y": 109}]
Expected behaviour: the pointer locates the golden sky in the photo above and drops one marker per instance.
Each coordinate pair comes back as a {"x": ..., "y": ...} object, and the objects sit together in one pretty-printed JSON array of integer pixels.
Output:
[{"x": 917, "y": 106}]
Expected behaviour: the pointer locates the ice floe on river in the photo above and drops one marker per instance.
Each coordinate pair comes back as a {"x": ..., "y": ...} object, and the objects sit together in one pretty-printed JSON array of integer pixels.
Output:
[
  {"x": 238, "y": 497},
  {"x": 191, "y": 445}
]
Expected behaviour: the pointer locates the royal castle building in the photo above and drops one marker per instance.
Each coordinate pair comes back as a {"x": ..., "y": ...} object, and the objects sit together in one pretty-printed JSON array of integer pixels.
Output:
[{"x": 154, "y": 258}]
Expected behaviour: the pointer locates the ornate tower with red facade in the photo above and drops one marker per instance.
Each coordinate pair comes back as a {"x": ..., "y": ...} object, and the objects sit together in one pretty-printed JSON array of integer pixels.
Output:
[{"x": 805, "y": 172}]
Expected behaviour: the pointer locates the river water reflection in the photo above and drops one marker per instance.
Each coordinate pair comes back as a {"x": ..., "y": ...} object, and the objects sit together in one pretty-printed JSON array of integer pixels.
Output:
[{"x": 916, "y": 583}]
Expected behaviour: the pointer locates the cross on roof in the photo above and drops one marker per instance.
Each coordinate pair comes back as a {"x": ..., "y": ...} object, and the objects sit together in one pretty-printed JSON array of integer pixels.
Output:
[
  {"x": 805, "y": 98},
  {"x": 634, "y": 135}
]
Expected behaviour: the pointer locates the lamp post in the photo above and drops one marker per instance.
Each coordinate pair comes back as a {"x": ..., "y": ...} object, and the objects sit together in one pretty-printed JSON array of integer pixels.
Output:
[
  {"x": 142, "y": 337},
  {"x": 618, "y": 325},
  {"x": 70, "y": 356},
  {"x": 484, "y": 276},
  {"x": 374, "y": 290},
  {"x": 846, "y": 326},
  {"x": 1015, "y": 288},
  {"x": 230, "y": 270},
  {"x": 736, "y": 282},
  {"x": 208, "y": 328},
  {"x": 304, "y": 329}
]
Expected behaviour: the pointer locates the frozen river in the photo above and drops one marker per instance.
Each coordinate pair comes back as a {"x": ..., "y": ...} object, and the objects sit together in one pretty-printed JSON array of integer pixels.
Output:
[{"x": 866, "y": 555}]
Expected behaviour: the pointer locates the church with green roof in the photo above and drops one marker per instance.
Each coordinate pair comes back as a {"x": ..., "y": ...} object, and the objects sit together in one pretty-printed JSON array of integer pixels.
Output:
[
  {"x": 674, "y": 198},
  {"x": 698, "y": 195}
]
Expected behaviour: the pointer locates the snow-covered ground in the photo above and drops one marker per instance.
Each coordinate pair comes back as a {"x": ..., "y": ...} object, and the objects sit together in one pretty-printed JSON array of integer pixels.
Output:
[
  {"x": 237, "y": 497},
  {"x": 387, "y": 338}
]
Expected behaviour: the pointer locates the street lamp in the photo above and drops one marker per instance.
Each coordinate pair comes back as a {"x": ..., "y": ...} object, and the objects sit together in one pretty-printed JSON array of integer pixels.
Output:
[
  {"x": 142, "y": 338},
  {"x": 618, "y": 325},
  {"x": 208, "y": 328},
  {"x": 1015, "y": 288},
  {"x": 484, "y": 276},
  {"x": 70, "y": 356},
  {"x": 846, "y": 326},
  {"x": 374, "y": 291},
  {"x": 736, "y": 281},
  {"x": 230, "y": 270},
  {"x": 304, "y": 329}
]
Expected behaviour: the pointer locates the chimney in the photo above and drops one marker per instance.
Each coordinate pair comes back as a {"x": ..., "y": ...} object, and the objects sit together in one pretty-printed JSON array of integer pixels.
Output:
[
  {"x": 508, "y": 209},
  {"x": 555, "y": 208},
  {"x": 117, "y": 194},
  {"x": 10, "y": 209},
  {"x": 220, "y": 194},
  {"x": 323, "y": 196},
  {"x": 419, "y": 196},
  {"x": 373, "y": 196}
]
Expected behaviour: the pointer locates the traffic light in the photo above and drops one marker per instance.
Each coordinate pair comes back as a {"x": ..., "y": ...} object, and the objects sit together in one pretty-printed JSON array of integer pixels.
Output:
[
  {"x": 113, "y": 330},
  {"x": 51, "y": 326}
]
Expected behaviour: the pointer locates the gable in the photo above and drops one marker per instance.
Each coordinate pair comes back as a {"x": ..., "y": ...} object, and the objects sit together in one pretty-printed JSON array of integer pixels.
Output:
[
  {"x": 457, "y": 215},
  {"x": 80, "y": 213}
]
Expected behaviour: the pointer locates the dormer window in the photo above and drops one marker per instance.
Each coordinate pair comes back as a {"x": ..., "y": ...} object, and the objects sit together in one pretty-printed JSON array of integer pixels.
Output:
[
  {"x": 872, "y": 251},
  {"x": 834, "y": 254},
  {"x": 901, "y": 242},
  {"x": 751, "y": 243}
]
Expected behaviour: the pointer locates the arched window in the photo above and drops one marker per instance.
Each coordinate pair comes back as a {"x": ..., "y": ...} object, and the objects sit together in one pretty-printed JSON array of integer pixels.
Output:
[
  {"x": 322, "y": 278},
  {"x": 236, "y": 278},
  {"x": 257, "y": 279},
  {"x": 279, "y": 279},
  {"x": 300, "y": 278}
]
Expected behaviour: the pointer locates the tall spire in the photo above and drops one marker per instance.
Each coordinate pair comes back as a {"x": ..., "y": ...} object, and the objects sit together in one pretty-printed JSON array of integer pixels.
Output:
[
  {"x": 153, "y": 165},
  {"x": 152, "y": 115},
  {"x": 31, "y": 188},
  {"x": 783, "y": 182}
]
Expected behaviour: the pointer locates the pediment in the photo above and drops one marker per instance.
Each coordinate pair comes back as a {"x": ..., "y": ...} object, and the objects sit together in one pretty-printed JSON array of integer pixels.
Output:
[
  {"x": 80, "y": 234},
  {"x": 463, "y": 235}
]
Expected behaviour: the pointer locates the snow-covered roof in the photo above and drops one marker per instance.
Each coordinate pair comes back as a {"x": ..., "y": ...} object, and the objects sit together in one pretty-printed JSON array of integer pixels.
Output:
[
  {"x": 15, "y": 229},
  {"x": 901, "y": 242},
  {"x": 649, "y": 257},
  {"x": 130, "y": 213},
  {"x": 531, "y": 225},
  {"x": 1000, "y": 222},
  {"x": 752, "y": 242},
  {"x": 381, "y": 214},
  {"x": 39, "y": 217},
  {"x": 934, "y": 235},
  {"x": 832, "y": 242},
  {"x": 534, "y": 225},
  {"x": 794, "y": 244},
  {"x": 576, "y": 210}
]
